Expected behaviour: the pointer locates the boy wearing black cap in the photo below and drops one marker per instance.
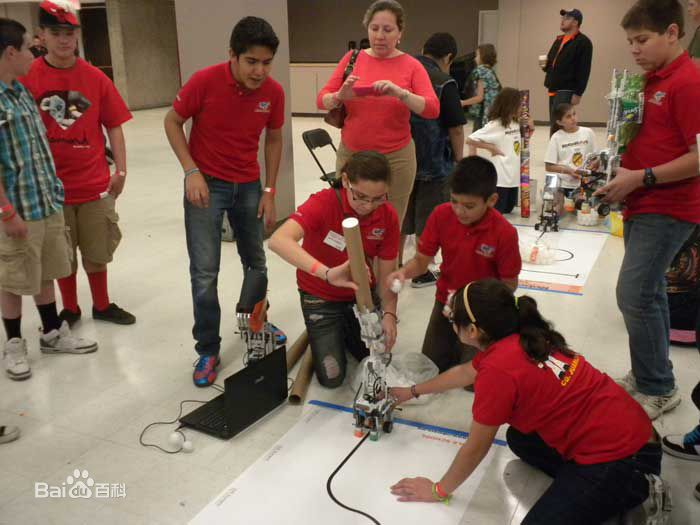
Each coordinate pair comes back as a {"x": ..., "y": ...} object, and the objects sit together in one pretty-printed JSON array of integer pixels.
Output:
[
  {"x": 76, "y": 100},
  {"x": 568, "y": 63}
]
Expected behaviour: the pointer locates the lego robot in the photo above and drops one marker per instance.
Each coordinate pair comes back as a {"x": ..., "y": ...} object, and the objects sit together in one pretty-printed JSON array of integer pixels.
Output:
[
  {"x": 251, "y": 316},
  {"x": 372, "y": 407},
  {"x": 549, "y": 216}
]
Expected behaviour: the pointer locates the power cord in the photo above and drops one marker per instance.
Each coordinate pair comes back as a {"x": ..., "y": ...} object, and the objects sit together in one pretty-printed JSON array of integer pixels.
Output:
[{"x": 178, "y": 431}]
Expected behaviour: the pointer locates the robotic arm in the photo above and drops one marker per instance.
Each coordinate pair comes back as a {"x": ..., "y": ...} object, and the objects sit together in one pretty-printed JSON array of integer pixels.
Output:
[{"x": 251, "y": 315}]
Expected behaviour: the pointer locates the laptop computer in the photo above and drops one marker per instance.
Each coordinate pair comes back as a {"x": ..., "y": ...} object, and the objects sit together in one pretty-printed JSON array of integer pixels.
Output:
[{"x": 249, "y": 395}]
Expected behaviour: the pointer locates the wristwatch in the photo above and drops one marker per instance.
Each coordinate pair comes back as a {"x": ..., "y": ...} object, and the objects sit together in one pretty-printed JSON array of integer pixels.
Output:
[{"x": 649, "y": 178}]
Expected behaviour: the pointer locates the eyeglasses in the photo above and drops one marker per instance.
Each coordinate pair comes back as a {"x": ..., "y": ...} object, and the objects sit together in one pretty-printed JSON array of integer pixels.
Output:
[{"x": 361, "y": 197}]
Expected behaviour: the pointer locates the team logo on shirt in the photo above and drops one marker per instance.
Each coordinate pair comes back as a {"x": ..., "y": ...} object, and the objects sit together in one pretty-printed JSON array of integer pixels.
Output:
[
  {"x": 658, "y": 98},
  {"x": 516, "y": 147},
  {"x": 263, "y": 107},
  {"x": 65, "y": 107},
  {"x": 377, "y": 234},
  {"x": 486, "y": 251},
  {"x": 561, "y": 369},
  {"x": 577, "y": 159}
]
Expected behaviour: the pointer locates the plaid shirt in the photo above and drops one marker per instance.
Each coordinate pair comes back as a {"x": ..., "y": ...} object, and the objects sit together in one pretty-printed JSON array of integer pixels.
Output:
[{"x": 27, "y": 171}]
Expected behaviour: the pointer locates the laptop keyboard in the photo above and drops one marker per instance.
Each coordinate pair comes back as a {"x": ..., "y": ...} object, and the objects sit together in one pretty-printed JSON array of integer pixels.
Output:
[{"x": 214, "y": 419}]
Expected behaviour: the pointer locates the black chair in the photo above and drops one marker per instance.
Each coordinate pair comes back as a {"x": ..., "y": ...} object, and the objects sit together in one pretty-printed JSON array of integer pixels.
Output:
[{"x": 319, "y": 138}]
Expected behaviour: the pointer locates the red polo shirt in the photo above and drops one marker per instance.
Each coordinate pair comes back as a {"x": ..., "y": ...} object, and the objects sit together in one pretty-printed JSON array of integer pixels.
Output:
[
  {"x": 575, "y": 409},
  {"x": 227, "y": 120},
  {"x": 671, "y": 123},
  {"x": 321, "y": 218},
  {"x": 486, "y": 249}
]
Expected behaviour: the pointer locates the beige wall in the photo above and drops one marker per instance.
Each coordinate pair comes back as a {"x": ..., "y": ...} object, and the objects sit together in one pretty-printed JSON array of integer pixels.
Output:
[
  {"x": 203, "y": 39},
  {"x": 26, "y": 13},
  {"x": 528, "y": 28},
  {"x": 143, "y": 44}
]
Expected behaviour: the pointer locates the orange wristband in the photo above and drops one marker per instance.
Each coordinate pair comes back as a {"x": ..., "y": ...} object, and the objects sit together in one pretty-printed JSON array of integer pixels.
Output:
[{"x": 315, "y": 266}]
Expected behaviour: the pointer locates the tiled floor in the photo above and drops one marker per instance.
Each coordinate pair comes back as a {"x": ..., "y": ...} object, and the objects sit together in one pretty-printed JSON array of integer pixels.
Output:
[{"x": 87, "y": 412}]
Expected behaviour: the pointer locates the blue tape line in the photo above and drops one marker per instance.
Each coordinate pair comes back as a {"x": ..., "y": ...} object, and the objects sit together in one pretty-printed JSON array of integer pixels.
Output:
[
  {"x": 520, "y": 287},
  {"x": 401, "y": 421}
]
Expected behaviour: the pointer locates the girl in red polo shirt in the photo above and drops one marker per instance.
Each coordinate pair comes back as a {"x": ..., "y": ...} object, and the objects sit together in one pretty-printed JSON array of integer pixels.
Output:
[
  {"x": 566, "y": 418},
  {"x": 323, "y": 275}
]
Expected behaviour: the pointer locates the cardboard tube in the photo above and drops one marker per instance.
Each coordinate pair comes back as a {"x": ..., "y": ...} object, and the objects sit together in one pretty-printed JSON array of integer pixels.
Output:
[
  {"x": 358, "y": 268},
  {"x": 297, "y": 350},
  {"x": 301, "y": 383}
]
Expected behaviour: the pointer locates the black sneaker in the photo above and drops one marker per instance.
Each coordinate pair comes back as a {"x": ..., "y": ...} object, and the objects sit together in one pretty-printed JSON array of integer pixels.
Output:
[
  {"x": 69, "y": 316},
  {"x": 113, "y": 314},
  {"x": 427, "y": 279}
]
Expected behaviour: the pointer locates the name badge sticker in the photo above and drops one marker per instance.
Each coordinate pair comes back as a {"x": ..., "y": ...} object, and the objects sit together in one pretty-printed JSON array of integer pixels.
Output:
[{"x": 335, "y": 240}]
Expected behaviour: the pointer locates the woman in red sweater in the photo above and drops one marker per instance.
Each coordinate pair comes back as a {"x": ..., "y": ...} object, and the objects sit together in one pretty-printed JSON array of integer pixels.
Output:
[
  {"x": 566, "y": 418},
  {"x": 386, "y": 84}
]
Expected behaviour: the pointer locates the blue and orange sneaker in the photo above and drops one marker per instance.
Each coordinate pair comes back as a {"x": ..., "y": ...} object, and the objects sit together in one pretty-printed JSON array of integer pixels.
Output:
[
  {"x": 279, "y": 335},
  {"x": 205, "y": 370}
]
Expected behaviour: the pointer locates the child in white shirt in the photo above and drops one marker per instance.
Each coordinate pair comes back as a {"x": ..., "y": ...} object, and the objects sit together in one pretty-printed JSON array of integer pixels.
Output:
[
  {"x": 501, "y": 137},
  {"x": 568, "y": 148}
]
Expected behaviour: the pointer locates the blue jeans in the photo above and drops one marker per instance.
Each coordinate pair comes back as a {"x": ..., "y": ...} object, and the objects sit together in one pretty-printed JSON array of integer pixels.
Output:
[
  {"x": 651, "y": 243},
  {"x": 585, "y": 494},
  {"x": 203, "y": 230}
]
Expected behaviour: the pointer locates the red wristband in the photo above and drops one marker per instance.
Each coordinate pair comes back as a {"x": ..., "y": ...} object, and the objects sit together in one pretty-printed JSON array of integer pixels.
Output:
[
  {"x": 10, "y": 216},
  {"x": 270, "y": 190},
  {"x": 441, "y": 492},
  {"x": 315, "y": 266}
]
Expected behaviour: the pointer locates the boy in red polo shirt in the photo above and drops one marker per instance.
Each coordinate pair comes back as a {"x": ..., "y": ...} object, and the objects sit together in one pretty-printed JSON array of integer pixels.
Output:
[
  {"x": 76, "y": 100},
  {"x": 323, "y": 275},
  {"x": 230, "y": 104},
  {"x": 659, "y": 183},
  {"x": 476, "y": 243}
]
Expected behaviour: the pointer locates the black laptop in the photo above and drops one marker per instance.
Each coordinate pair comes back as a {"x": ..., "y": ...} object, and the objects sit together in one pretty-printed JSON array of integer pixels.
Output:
[{"x": 249, "y": 395}]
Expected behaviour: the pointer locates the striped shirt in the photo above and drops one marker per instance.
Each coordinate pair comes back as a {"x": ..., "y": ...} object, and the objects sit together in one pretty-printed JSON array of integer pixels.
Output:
[{"x": 27, "y": 171}]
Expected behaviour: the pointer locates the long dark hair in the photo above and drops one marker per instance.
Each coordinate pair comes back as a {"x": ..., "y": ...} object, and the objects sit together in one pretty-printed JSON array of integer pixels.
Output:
[
  {"x": 498, "y": 314},
  {"x": 505, "y": 106}
]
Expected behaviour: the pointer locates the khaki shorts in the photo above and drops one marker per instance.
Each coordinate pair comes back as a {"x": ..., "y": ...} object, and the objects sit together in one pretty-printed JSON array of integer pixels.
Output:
[
  {"x": 403, "y": 172},
  {"x": 93, "y": 227},
  {"x": 44, "y": 255}
]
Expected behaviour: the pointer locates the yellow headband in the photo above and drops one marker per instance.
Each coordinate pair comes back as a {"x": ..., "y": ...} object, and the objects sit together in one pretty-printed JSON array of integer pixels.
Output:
[{"x": 466, "y": 304}]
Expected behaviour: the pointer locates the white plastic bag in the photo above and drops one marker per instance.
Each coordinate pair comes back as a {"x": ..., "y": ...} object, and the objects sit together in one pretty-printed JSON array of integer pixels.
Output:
[{"x": 405, "y": 369}]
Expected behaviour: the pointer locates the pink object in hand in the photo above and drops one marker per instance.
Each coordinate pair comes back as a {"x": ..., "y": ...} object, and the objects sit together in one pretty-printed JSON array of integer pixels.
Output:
[{"x": 363, "y": 91}]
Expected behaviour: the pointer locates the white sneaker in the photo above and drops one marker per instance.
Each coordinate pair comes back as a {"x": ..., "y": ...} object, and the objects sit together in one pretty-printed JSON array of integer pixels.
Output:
[
  {"x": 62, "y": 341},
  {"x": 629, "y": 383},
  {"x": 654, "y": 406},
  {"x": 656, "y": 510},
  {"x": 14, "y": 357}
]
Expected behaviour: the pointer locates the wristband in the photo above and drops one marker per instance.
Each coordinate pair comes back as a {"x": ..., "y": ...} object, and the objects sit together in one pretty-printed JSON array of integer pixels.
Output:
[
  {"x": 413, "y": 392},
  {"x": 441, "y": 492},
  {"x": 7, "y": 208},
  {"x": 328, "y": 270},
  {"x": 393, "y": 315},
  {"x": 269, "y": 190},
  {"x": 191, "y": 171},
  {"x": 315, "y": 266},
  {"x": 436, "y": 494},
  {"x": 120, "y": 173},
  {"x": 9, "y": 217}
]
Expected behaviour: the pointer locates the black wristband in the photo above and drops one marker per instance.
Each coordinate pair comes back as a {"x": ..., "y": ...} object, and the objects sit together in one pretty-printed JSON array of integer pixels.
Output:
[{"x": 413, "y": 392}]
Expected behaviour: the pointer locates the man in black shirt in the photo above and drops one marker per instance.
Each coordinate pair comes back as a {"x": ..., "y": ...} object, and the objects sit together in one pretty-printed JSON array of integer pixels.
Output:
[
  {"x": 568, "y": 63},
  {"x": 439, "y": 143}
]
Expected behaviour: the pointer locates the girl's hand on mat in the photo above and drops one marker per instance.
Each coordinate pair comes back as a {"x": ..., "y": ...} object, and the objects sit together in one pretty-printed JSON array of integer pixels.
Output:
[
  {"x": 624, "y": 183},
  {"x": 15, "y": 228},
  {"x": 345, "y": 92},
  {"x": 387, "y": 87},
  {"x": 414, "y": 489},
  {"x": 389, "y": 326},
  {"x": 196, "y": 190},
  {"x": 401, "y": 394}
]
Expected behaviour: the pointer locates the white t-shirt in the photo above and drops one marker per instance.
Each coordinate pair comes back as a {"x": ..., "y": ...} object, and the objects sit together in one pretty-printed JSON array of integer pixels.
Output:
[
  {"x": 508, "y": 141},
  {"x": 570, "y": 149}
]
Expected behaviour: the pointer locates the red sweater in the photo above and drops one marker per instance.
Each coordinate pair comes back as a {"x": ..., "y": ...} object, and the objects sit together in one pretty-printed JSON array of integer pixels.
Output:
[{"x": 381, "y": 123}]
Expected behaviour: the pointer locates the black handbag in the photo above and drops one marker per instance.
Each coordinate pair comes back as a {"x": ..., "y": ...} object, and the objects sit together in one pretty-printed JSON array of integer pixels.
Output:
[{"x": 336, "y": 116}]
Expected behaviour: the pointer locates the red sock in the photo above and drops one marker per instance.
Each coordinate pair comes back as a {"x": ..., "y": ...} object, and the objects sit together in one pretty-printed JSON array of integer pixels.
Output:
[
  {"x": 98, "y": 288},
  {"x": 69, "y": 293}
]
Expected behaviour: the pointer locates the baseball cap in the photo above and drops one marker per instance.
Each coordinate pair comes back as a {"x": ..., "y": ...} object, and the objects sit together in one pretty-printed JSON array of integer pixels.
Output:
[
  {"x": 57, "y": 13},
  {"x": 574, "y": 13}
]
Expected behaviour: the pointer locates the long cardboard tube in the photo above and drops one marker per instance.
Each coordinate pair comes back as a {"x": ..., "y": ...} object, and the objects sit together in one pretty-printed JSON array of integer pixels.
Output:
[
  {"x": 301, "y": 383},
  {"x": 297, "y": 350},
  {"x": 358, "y": 267}
]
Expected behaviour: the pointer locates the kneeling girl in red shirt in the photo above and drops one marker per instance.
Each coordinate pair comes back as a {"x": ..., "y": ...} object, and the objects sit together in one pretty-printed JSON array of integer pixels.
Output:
[{"x": 566, "y": 418}]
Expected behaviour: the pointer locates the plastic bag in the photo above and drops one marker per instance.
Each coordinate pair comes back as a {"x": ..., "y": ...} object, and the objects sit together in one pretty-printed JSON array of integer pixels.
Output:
[{"x": 405, "y": 369}]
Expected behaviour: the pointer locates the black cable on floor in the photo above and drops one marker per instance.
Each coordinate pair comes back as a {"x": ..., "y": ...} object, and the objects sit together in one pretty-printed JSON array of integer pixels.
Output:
[{"x": 330, "y": 480}]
